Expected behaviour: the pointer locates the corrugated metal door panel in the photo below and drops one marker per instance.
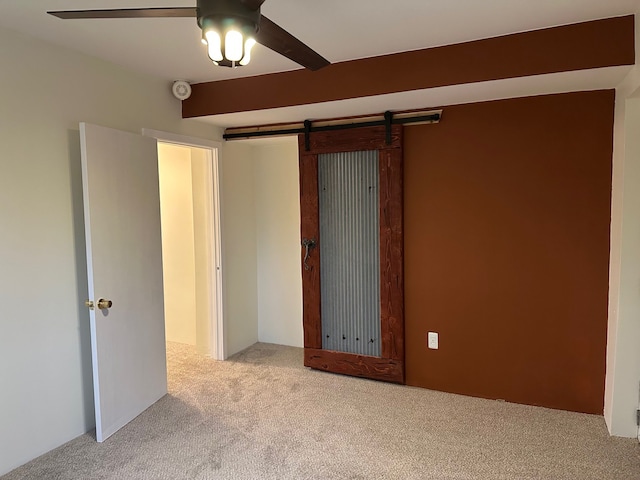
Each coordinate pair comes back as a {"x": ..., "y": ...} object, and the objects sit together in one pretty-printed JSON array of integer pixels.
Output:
[{"x": 350, "y": 243}]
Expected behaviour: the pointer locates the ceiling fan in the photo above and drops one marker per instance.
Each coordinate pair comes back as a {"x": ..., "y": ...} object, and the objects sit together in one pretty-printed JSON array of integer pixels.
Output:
[{"x": 230, "y": 28}]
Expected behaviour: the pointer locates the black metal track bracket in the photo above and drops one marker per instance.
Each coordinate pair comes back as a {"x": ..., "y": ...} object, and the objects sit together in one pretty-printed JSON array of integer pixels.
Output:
[
  {"x": 307, "y": 135},
  {"x": 388, "y": 120}
]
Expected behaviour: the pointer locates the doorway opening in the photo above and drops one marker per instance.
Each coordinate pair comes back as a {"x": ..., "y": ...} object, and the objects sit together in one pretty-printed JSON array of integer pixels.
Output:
[
  {"x": 192, "y": 280},
  {"x": 183, "y": 217}
]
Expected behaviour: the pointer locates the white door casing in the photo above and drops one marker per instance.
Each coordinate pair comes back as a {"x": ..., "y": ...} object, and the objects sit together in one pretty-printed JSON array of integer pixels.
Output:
[
  {"x": 124, "y": 263},
  {"x": 213, "y": 232}
]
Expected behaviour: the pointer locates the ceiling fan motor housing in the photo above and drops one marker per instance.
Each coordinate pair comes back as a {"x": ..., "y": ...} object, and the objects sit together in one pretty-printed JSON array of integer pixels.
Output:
[{"x": 221, "y": 11}]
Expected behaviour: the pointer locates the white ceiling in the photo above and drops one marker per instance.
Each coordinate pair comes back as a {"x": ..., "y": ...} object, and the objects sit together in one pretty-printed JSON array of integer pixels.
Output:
[{"x": 338, "y": 29}]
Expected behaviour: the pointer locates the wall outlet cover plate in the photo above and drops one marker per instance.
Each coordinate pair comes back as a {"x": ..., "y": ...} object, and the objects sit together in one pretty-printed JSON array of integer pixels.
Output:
[{"x": 432, "y": 340}]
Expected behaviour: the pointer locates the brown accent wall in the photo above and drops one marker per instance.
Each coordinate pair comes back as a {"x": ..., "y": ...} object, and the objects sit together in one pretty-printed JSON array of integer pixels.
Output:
[{"x": 507, "y": 211}]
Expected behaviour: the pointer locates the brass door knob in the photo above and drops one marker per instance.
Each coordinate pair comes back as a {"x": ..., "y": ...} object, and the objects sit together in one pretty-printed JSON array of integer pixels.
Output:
[{"x": 104, "y": 304}]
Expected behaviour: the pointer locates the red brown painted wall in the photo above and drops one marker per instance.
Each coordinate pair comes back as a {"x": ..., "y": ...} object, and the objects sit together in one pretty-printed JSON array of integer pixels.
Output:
[
  {"x": 507, "y": 211},
  {"x": 595, "y": 44}
]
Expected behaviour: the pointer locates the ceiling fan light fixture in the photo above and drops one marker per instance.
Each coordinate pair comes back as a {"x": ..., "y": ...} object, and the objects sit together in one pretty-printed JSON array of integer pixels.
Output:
[
  {"x": 248, "y": 45},
  {"x": 233, "y": 45},
  {"x": 229, "y": 39},
  {"x": 214, "y": 45}
]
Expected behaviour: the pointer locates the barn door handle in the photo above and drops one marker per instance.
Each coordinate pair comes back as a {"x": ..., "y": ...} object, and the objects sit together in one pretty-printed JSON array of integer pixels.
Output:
[{"x": 308, "y": 245}]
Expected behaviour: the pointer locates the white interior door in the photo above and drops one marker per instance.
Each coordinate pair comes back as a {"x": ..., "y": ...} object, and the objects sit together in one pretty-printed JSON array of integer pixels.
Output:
[{"x": 124, "y": 262}]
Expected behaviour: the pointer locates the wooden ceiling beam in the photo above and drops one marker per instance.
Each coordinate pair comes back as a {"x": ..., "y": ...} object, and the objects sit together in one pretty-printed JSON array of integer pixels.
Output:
[{"x": 595, "y": 44}]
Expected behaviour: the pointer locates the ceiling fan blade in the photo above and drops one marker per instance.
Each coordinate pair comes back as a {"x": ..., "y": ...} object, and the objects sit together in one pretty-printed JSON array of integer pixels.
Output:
[
  {"x": 252, "y": 4},
  {"x": 127, "y": 13},
  {"x": 279, "y": 40}
]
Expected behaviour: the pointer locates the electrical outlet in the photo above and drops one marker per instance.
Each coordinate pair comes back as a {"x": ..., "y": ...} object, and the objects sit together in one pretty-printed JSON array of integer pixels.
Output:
[{"x": 432, "y": 340}]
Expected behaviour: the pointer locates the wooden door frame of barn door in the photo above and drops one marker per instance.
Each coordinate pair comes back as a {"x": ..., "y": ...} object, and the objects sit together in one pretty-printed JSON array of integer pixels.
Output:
[{"x": 390, "y": 365}]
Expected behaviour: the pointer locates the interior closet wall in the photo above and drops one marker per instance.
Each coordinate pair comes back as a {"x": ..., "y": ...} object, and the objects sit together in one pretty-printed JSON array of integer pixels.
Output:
[
  {"x": 204, "y": 291},
  {"x": 178, "y": 243}
]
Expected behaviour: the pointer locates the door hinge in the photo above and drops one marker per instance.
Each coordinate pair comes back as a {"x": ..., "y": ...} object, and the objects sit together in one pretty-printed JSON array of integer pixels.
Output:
[{"x": 638, "y": 417}]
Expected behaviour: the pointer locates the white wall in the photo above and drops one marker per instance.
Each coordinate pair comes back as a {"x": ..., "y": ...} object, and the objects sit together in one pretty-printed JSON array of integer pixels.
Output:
[
  {"x": 202, "y": 237},
  {"x": 239, "y": 271},
  {"x": 45, "y": 363},
  {"x": 623, "y": 359},
  {"x": 178, "y": 243},
  {"x": 278, "y": 243},
  {"x": 623, "y": 337},
  {"x": 261, "y": 240}
]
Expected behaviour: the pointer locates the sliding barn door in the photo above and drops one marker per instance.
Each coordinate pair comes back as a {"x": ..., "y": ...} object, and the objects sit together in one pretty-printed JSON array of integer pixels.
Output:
[{"x": 351, "y": 228}]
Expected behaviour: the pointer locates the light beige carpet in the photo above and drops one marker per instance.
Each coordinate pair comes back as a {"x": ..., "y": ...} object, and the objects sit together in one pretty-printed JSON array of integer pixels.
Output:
[{"x": 262, "y": 415}]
